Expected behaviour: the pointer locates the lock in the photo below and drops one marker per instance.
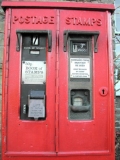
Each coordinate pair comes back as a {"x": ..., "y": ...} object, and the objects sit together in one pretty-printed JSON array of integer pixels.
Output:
[{"x": 103, "y": 91}]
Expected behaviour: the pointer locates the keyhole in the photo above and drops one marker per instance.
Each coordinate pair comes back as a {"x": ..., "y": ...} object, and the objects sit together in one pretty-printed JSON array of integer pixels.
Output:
[{"x": 103, "y": 91}]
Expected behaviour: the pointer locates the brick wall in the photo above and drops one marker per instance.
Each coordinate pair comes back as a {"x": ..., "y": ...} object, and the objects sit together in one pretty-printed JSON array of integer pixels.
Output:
[{"x": 1, "y": 56}]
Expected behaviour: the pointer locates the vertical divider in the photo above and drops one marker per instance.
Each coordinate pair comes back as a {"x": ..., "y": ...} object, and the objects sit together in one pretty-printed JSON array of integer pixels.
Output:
[{"x": 57, "y": 81}]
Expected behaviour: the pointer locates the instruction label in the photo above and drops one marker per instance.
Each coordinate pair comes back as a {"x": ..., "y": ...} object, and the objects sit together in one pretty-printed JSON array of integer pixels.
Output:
[
  {"x": 33, "y": 72},
  {"x": 79, "y": 67},
  {"x": 36, "y": 108}
]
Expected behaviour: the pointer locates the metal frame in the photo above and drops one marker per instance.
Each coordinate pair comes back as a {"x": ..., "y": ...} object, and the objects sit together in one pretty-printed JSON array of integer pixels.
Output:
[
  {"x": 20, "y": 32},
  {"x": 90, "y": 33}
]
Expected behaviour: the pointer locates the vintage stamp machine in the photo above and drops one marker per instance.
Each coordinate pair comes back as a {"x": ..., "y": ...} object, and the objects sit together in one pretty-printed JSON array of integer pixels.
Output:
[{"x": 58, "y": 89}]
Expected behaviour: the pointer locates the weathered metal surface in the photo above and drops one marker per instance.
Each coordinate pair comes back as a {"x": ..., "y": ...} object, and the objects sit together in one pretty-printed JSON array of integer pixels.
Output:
[
  {"x": 90, "y": 136},
  {"x": 57, "y": 137},
  {"x": 36, "y": 136},
  {"x": 72, "y": 5}
]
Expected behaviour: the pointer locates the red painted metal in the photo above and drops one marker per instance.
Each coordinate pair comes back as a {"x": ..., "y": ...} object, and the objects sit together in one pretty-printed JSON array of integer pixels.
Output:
[
  {"x": 91, "y": 137},
  {"x": 58, "y": 138},
  {"x": 73, "y": 5},
  {"x": 24, "y": 137},
  {"x": 69, "y": 5}
]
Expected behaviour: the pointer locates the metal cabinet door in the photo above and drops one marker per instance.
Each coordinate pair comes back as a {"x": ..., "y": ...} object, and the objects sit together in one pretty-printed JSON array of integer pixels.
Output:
[
  {"x": 88, "y": 136},
  {"x": 30, "y": 136}
]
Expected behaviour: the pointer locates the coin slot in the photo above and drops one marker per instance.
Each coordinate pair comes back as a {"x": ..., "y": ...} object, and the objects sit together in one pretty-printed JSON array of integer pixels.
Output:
[{"x": 35, "y": 40}]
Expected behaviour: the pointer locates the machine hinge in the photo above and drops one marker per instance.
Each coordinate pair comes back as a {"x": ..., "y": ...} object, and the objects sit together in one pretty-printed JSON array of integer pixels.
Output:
[
  {"x": 67, "y": 33},
  {"x": 57, "y": 82},
  {"x": 57, "y": 100},
  {"x": 8, "y": 46},
  {"x": 7, "y": 49},
  {"x": 8, "y": 35},
  {"x": 6, "y": 72}
]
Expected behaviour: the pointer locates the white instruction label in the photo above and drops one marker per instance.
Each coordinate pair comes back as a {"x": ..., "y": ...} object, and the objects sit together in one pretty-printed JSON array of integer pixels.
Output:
[
  {"x": 79, "y": 67},
  {"x": 33, "y": 72},
  {"x": 36, "y": 108}
]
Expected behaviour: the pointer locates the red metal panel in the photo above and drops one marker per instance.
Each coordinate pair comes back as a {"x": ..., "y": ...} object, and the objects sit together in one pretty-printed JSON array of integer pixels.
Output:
[
  {"x": 5, "y": 79},
  {"x": 90, "y": 137},
  {"x": 26, "y": 136},
  {"x": 58, "y": 138},
  {"x": 35, "y": 157},
  {"x": 65, "y": 5}
]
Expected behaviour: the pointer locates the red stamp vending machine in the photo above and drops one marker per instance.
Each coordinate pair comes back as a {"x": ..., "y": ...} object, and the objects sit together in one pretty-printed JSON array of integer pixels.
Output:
[{"x": 58, "y": 90}]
